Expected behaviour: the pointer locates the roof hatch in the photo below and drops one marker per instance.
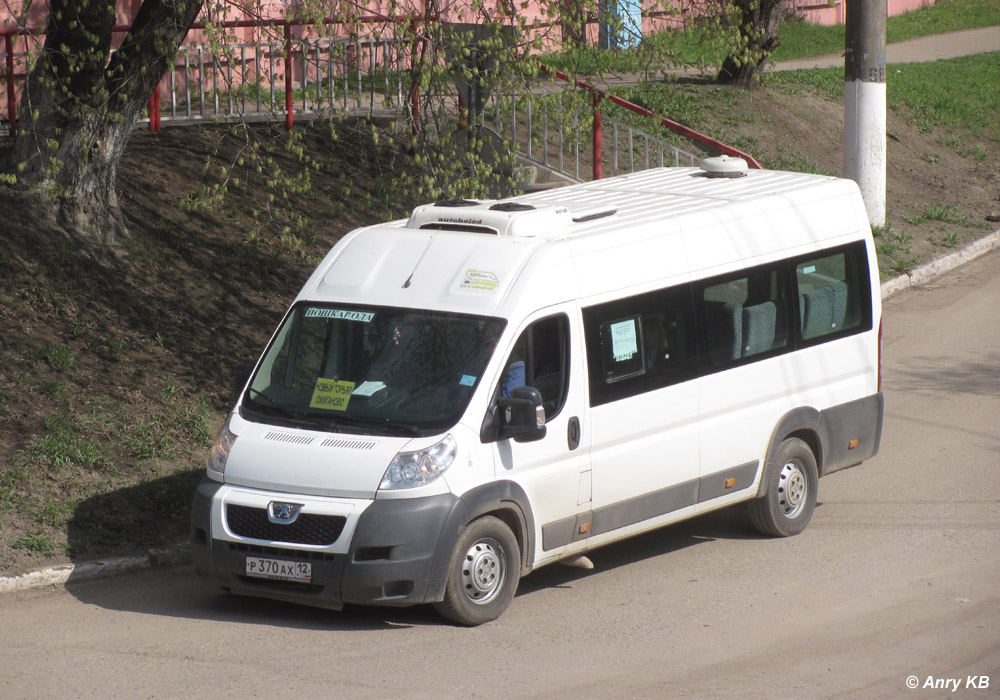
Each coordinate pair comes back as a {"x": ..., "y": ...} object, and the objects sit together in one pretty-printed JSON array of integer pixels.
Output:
[{"x": 724, "y": 166}]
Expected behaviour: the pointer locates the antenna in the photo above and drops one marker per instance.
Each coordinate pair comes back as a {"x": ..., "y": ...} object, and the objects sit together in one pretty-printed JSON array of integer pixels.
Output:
[{"x": 406, "y": 284}]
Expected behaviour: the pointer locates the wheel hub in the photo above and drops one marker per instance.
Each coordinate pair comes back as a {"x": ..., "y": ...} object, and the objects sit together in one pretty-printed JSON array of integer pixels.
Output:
[
  {"x": 483, "y": 571},
  {"x": 792, "y": 490}
]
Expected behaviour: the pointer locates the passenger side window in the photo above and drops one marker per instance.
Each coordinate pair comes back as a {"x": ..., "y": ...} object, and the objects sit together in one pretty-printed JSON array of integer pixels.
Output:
[
  {"x": 743, "y": 315},
  {"x": 832, "y": 293},
  {"x": 649, "y": 341},
  {"x": 639, "y": 344},
  {"x": 540, "y": 358}
]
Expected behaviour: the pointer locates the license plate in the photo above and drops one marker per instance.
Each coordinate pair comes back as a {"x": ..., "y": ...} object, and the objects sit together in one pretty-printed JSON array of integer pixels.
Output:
[{"x": 278, "y": 570}]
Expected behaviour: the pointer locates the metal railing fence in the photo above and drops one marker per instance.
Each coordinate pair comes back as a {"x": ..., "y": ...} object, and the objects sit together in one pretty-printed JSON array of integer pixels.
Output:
[
  {"x": 363, "y": 63},
  {"x": 600, "y": 96},
  {"x": 369, "y": 71},
  {"x": 248, "y": 80},
  {"x": 557, "y": 130}
]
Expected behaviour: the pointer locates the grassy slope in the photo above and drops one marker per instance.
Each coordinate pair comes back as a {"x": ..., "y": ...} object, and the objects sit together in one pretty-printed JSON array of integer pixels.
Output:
[
  {"x": 943, "y": 121},
  {"x": 801, "y": 40},
  {"x": 115, "y": 375},
  {"x": 943, "y": 145}
]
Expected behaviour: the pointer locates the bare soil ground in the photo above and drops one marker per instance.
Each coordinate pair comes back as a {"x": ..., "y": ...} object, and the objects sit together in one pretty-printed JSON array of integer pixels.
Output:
[{"x": 115, "y": 375}]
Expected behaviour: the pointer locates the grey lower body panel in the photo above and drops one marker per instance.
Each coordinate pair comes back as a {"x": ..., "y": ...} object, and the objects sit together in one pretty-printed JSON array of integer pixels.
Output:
[
  {"x": 391, "y": 560},
  {"x": 648, "y": 506},
  {"x": 851, "y": 432},
  {"x": 848, "y": 434}
]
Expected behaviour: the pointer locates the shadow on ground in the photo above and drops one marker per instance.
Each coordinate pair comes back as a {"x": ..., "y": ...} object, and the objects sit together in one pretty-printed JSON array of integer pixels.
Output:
[
  {"x": 134, "y": 520},
  {"x": 176, "y": 591},
  {"x": 980, "y": 376}
]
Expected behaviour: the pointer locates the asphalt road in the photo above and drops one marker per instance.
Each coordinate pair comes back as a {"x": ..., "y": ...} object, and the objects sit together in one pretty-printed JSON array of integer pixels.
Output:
[{"x": 896, "y": 581}]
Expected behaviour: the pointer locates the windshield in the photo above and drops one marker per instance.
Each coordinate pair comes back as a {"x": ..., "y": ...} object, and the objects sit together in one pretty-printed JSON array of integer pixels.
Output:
[{"x": 372, "y": 370}]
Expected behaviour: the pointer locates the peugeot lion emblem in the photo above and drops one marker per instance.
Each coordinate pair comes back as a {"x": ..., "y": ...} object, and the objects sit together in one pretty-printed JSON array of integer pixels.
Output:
[{"x": 283, "y": 513}]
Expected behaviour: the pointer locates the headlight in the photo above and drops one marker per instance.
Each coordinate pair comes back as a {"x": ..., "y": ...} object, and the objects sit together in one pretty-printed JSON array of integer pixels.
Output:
[
  {"x": 411, "y": 469},
  {"x": 220, "y": 452}
]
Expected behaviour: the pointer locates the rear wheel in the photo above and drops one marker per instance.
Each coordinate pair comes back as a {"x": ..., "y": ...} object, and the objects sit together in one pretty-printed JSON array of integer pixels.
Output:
[
  {"x": 485, "y": 570},
  {"x": 790, "y": 492}
]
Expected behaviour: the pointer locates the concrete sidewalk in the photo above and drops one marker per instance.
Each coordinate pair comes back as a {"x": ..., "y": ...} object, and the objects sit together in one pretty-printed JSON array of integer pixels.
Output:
[
  {"x": 922, "y": 49},
  {"x": 967, "y": 42}
]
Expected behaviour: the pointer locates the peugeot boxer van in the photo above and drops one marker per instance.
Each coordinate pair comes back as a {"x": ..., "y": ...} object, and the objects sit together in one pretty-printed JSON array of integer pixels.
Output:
[{"x": 457, "y": 399}]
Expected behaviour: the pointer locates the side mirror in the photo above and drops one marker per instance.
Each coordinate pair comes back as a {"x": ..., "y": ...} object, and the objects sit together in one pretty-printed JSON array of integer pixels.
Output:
[{"x": 522, "y": 415}]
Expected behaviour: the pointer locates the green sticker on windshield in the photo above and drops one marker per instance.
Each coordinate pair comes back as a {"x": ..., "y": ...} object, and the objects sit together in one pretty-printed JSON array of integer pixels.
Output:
[{"x": 331, "y": 394}]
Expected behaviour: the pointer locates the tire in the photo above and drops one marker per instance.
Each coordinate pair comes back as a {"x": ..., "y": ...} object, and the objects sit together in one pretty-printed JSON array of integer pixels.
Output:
[
  {"x": 790, "y": 491},
  {"x": 485, "y": 570}
]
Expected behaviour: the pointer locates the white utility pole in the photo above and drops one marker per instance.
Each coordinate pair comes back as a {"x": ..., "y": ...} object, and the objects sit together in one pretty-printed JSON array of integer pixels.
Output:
[{"x": 865, "y": 103}]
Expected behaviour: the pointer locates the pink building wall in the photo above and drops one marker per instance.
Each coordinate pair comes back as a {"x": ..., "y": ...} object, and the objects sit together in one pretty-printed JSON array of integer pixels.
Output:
[
  {"x": 828, "y": 13},
  {"x": 816, "y": 11}
]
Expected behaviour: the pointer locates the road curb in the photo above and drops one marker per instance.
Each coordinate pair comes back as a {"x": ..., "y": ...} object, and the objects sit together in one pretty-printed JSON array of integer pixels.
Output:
[
  {"x": 179, "y": 554},
  {"x": 936, "y": 268},
  {"x": 91, "y": 570}
]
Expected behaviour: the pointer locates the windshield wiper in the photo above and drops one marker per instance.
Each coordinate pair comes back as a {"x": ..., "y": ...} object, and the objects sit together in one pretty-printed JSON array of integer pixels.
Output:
[
  {"x": 294, "y": 415},
  {"x": 328, "y": 422}
]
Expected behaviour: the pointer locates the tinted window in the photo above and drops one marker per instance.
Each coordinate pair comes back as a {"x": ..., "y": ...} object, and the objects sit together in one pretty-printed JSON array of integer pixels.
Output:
[
  {"x": 648, "y": 341},
  {"x": 743, "y": 315},
  {"x": 540, "y": 358},
  {"x": 833, "y": 294},
  {"x": 639, "y": 344}
]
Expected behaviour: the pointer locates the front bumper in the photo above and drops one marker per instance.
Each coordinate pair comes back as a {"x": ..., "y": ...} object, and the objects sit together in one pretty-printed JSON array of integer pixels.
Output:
[{"x": 396, "y": 552}]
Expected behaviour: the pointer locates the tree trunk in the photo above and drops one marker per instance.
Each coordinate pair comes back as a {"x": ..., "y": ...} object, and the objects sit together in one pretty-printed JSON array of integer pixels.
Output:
[
  {"x": 78, "y": 108},
  {"x": 573, "y": 23},
  {"x": 758, "y": 38}
]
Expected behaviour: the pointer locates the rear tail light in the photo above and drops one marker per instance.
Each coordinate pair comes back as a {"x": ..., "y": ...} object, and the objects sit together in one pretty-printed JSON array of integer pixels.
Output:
[{"x": 880, "y": 354}]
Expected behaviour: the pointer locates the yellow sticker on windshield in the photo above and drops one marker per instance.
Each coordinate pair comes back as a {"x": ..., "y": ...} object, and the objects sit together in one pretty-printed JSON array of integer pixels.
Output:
[{"x": 331, "y": 394}]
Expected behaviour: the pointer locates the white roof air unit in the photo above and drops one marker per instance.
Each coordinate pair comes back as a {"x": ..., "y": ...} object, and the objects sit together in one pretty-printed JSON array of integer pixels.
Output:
[{"x": 502, "y": 218}]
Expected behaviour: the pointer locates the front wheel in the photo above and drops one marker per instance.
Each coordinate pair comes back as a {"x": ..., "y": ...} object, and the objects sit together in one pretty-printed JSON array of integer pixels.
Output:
[
  {"x": 789, "y": 492},
  {"x": 485, "y": 570}
]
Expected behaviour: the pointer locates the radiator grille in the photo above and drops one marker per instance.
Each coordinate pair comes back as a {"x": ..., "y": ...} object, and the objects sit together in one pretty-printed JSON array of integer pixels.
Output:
[{"x": 308, "y": 528}]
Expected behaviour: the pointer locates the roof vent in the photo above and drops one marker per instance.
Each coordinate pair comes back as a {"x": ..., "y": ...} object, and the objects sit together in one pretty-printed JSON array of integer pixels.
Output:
[
  {"x": 468, "y": 228},
  {"x": 583, "y": 217},
  {"x": 456, "y": 202},
  {"x": 511, "y": 206},
  {"x": 724, "y": 166}
]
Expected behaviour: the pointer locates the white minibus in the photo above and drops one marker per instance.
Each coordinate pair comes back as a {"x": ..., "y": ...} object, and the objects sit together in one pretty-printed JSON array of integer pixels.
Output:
[{"x": 457, "y": 399}]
